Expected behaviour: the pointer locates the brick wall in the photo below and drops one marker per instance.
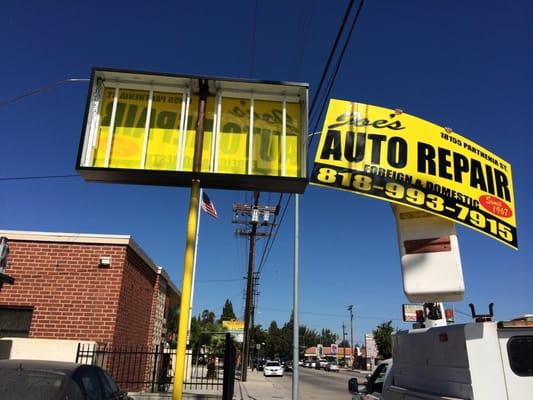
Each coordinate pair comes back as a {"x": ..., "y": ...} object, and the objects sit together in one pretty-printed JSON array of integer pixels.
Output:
[
  {"x": 133, "y": 324},
  {"x": 72, "y": 297}
]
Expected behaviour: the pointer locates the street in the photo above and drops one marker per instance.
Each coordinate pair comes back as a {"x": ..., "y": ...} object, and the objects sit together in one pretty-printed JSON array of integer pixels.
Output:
[{"x": 315, "y": 384}]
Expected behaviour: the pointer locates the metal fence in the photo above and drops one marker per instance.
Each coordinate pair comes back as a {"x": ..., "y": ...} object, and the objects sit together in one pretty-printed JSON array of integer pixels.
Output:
[
  {"x": 143, "y": 368},
  {"x": 133, "y": 367}
]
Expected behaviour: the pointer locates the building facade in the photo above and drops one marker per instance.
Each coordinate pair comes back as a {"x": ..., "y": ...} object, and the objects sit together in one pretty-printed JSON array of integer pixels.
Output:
[{"x": 102, "y": 288}]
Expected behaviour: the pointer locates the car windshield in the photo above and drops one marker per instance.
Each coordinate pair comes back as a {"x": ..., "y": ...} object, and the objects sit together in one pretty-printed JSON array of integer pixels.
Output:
[
  {"x": 272, "y": 364},
  {"x": 27, "y": 384}
]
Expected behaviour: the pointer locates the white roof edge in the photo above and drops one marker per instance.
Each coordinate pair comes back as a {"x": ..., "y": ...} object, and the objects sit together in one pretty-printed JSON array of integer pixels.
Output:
[
  {"x": 66, "y": 237},
  {"x": 62, "y": 237},
  {"x": 163, "y": 272}
]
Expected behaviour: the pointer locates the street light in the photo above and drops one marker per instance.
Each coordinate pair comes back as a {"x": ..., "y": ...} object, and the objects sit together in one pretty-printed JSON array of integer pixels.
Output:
[{"x": 350, "y": 309}]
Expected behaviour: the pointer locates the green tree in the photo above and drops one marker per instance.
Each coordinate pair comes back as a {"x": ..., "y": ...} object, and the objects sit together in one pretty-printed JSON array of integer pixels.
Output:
[
  {"x": 172, "y": 325},
  {"x": 273, "y": 343},
  {"x": 327, "y": 337},
  {"x": 308, "y": 337},
  {"x": 383, "y": 339},
  {"x": 207, "y": 317},
  {"x": 258, "y": 337},
  {"x": 227, "y": 312}
]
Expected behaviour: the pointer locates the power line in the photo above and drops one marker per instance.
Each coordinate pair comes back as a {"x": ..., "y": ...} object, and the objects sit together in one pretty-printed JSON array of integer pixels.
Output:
[
  {"x": 25, "y": 178},
  {"x": 263, "y": 256},
  {"x": 254, "y": 28},
  {"x": 337, "y": 67},
  {"x": 274, "y": 236},
  {"x": 42, "y": 89},
  {"x": 331, "y": 53},
  {"x": 328, "y": 91}
]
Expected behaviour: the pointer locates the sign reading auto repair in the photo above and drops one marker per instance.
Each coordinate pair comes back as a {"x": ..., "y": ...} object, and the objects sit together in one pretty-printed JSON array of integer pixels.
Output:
[{"x": 400, "y": 158}]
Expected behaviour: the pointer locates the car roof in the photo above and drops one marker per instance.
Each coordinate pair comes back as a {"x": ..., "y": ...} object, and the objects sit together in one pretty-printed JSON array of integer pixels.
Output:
[{"x": 63, "y": 367}]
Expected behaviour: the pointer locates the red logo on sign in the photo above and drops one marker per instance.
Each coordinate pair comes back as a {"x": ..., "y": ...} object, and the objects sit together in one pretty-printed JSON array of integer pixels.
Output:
[{"x": 496, "y": 206}]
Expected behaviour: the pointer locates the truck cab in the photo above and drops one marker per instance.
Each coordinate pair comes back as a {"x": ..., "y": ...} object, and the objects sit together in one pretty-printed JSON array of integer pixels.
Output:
[
  {"x": 483, "y": 360},
  {"x": 374, "y": 386}
]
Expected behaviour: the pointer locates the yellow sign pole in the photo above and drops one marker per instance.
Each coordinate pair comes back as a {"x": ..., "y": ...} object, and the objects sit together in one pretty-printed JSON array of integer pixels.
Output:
[
  {"x": 190, "y": 247},
  {"x": 179, "y": 367}
]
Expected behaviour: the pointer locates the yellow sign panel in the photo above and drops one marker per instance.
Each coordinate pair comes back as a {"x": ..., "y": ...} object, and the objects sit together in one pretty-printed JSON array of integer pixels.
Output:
[
  {"x": 233, "y": 325},
  {"x": 163, "y": 136},
  {"x": 403, "y": 159}
]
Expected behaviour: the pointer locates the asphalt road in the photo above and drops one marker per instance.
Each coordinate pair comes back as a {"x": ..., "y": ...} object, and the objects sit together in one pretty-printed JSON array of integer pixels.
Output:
[{"x": 318, "y": 384}]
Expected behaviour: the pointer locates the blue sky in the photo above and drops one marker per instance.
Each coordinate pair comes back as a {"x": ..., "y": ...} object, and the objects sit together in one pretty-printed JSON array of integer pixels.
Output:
[{"x": 466, "y": 65}]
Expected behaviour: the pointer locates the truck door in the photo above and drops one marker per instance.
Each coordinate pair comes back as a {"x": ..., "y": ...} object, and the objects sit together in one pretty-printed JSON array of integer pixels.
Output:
[
  {"x": 374, "y": 385},
  {"x": 516, "y": 348}
]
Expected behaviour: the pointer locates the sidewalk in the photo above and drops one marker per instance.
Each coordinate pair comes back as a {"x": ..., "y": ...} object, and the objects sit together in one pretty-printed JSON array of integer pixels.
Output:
[{"x": 257, "y": 387}]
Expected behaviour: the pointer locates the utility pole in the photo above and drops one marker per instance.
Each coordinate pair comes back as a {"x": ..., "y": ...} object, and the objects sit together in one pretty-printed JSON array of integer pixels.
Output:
[
  {"x": 352, "y": 358},
  {"x": 254, "y": 212},
  {"x": 344, "y": 342}
]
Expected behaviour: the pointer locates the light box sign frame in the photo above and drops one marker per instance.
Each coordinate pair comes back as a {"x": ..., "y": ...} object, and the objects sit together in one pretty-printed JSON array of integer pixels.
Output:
[{"x": 139, "y": 128}]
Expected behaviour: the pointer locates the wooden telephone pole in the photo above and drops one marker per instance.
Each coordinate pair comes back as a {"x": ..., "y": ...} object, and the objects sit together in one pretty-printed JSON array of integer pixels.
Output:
[{"x": 252, "y": 214}]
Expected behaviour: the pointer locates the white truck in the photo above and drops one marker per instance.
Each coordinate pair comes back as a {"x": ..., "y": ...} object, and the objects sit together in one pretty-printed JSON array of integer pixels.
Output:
[{"x": 482, "y": 360}]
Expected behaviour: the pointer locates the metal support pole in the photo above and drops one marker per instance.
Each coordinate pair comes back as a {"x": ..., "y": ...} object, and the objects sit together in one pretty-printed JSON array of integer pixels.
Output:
[
  {"x": 190, "y": 247},
  {"x": 295, "y": 310},
  {"x": 350, "y": 308},
  {"x": 177, "y": 390},
  {"x": 344, "y": 342}
]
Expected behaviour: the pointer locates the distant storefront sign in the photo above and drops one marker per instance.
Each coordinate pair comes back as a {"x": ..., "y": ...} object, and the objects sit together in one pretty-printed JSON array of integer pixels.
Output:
[
  {"x": 370, "y": 344},
  {"x": 233, "y": 325},
  {"x": 403, "y": 159},
  {"x": 235, "y": 328},
  {"x": 409, "y": 312},
  {"x": 140, "y": 128}
]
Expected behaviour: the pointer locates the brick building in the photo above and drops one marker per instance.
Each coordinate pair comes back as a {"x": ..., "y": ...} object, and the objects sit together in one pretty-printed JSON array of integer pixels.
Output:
[{"x": 102, "y": 288}]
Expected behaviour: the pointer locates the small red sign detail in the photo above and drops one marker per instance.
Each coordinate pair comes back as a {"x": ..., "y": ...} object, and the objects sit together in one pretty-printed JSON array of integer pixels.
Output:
[{"x": 495, "y": 206}]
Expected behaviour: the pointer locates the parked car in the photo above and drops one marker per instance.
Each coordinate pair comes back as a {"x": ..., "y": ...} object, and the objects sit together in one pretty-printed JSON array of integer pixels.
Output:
[
  {"x": 332, "y": 366},
  {"x": 55, "y": 380},
  {"x": 273, "y": 368},
  {"x": 287, "y": 366},
  {"x": 323, "y": 364}
]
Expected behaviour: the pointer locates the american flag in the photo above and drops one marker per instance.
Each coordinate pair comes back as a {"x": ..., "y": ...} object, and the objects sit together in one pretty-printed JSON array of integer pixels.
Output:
[{"x": 208, "y": 206}]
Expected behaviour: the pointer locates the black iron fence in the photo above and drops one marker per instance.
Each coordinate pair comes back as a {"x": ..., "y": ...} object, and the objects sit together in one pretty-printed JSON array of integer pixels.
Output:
[
  {"x": 143, "y": 368},
  {"x": 133, "y": 367}
]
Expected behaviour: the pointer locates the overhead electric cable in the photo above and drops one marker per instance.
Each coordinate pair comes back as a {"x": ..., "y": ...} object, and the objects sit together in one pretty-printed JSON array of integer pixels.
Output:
[
  {"x": 41, "y": 89},
  {"x": 263, "y": 256},
  {"x": 25, "y": 178},
  {"x": 305, "y": 23},
  {"x": 254, "y": 28},
  {"x": 331, "y": 81},
  {"x": 331, "y": 53},
  {"x": 329, "y": 86},
  {"x": 275, "y": 235}
]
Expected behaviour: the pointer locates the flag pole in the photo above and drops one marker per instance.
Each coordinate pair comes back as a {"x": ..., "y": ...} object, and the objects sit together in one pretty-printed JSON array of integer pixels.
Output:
[{"x": 194, "y": 266}]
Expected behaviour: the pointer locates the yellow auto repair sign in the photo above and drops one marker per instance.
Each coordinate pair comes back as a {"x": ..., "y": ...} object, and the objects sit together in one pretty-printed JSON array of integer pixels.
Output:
[
  {"x": 403, "y": 159},
  {"x": 233, "y": 325}
]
